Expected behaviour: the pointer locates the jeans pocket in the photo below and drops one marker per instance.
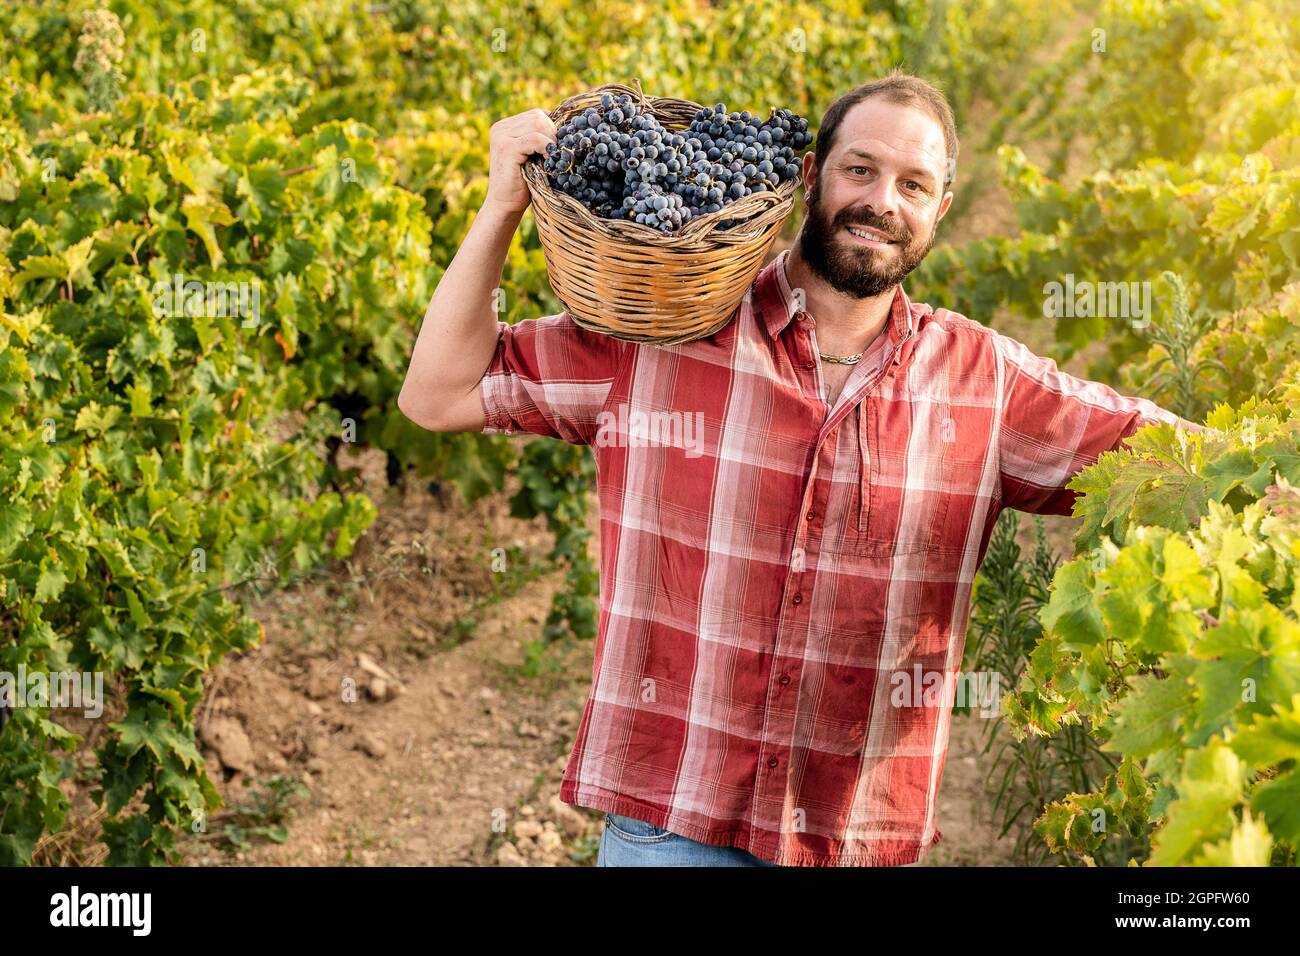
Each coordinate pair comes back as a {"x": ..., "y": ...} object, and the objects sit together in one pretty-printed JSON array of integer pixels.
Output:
[{"x": 634, "y": 830}]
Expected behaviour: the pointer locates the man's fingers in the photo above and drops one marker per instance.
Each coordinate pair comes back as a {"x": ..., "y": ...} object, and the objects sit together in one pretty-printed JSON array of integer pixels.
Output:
[
  {"x": 531, "y": 121},
  {"x": 542, "y": 120},
  {"x": 534, "y": 121},
  {"x": 534, "y": 130},
  {"x": 529, "y": 143}
]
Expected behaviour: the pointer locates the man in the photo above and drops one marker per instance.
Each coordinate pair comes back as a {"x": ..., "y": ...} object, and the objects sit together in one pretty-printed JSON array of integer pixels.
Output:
[{"x": 766, "y": 587}]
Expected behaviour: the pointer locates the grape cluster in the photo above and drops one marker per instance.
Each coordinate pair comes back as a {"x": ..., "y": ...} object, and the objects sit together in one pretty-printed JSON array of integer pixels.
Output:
[{"x": 620, "y": 162}]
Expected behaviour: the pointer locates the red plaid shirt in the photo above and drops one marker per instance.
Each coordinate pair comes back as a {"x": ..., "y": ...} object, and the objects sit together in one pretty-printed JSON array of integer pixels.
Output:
[{"x": 772, "y": 567}]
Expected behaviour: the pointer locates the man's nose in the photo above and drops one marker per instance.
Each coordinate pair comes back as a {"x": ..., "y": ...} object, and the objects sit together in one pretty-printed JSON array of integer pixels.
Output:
[{"x": 881, "y": 197}]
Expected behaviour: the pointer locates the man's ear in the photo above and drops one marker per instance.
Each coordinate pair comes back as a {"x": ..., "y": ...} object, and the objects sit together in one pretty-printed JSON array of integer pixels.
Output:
[
  {"x": 944, "y": 203},
  {"x": 809, "y": 170}
]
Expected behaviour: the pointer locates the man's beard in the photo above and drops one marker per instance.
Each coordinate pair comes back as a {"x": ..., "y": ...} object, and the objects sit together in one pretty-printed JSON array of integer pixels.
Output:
[{"x": 858, "y": 271}]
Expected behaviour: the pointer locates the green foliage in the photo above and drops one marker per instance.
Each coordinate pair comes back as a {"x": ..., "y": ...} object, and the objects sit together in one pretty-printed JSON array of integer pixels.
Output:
[
  {"x": 262, "y": 819},
  {"x": 390, "y": 62},
  {"x": 98, "y": 57},
  {"x": 1163, "y": 78},
  {"x": 1175, "y": 375},
  {"x": 1175, "y": 635},
  {"x": 1227, "y": 226},
  {"x": 1250, "y": 351},
  {"x": 141, "y": 451},
  {"x": 1190, "y": 107},
  {"x": 1029, "y": 774}
]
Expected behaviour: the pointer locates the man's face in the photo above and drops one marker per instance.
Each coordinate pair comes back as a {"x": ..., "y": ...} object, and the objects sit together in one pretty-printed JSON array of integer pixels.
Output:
[{"x": 883, "y": 177}]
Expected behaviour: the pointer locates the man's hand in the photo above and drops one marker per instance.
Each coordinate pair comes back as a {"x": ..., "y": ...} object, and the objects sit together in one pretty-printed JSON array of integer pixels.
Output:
[{"x": 511, "y": 141}]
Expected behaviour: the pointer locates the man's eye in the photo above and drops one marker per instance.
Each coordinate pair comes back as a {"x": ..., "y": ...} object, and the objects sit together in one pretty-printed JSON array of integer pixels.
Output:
[
  {"x": 912, "y": 182},
  {"x": 855, "y": 168}
]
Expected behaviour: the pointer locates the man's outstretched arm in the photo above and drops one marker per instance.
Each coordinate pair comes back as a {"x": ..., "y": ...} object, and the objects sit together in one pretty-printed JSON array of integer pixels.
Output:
[{"x": 1054, "y": 424}]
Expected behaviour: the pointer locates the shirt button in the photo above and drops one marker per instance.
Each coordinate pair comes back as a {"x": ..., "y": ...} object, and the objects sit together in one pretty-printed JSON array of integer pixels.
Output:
[
  {"x": 798, "y": 599},
  {"x": 809, "y": 364},
  {"x": 772, "y": 761},
  {"x": 785, "y": 678},
  {"x": 811, "y": 515}
]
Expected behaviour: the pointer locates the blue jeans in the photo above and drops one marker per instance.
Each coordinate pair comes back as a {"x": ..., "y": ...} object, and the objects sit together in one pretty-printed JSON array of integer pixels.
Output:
[{"x": 626, "y": 841}]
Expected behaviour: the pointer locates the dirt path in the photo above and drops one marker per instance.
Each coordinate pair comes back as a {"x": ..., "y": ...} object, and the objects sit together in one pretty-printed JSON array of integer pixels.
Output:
[
  {"x": 446, "y": 751},
  {"x": 435, "y": 774}
]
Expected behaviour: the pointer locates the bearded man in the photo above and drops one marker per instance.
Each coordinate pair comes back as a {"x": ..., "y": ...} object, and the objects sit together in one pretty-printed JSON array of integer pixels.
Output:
[{"x": 765, "y": 593}]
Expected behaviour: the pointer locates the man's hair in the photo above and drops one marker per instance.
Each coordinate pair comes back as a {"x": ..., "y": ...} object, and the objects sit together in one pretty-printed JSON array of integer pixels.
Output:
[{"x": 903, "y": 89}]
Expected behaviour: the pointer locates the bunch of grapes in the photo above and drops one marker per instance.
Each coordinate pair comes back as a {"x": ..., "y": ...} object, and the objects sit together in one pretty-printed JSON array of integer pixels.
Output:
[
  {"x": 651, "y": 206},
  {"x": 621, "y": 163}
]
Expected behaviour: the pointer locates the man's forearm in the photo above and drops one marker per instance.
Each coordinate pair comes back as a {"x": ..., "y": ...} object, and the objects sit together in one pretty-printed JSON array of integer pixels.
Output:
[{"x": 459, "y": 331}]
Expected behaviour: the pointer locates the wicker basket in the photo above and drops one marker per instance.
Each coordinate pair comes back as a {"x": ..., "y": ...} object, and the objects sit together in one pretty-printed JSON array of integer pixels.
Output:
[{"x": 632, "y": 281}]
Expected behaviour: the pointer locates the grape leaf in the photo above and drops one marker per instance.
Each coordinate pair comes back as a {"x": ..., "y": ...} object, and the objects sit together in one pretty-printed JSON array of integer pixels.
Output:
[
  {"x": 1208, "y": 792},
  {"x": 1070, "y": 612},
  {"x": 1148, "y": 717}
]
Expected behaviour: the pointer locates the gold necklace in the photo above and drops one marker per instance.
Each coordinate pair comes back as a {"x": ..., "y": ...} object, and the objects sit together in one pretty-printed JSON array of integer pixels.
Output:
[{"x": 842, "y": 359}]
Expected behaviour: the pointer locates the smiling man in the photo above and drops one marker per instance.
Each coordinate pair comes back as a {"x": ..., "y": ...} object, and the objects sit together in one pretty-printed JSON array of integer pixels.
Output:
[
  {"x": 897, "y": 140},
  {"x": 762, "y": 597}
]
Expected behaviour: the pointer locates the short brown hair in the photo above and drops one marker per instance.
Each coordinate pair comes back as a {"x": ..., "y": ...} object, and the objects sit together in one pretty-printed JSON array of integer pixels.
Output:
[{"x": 898, "y": 87}]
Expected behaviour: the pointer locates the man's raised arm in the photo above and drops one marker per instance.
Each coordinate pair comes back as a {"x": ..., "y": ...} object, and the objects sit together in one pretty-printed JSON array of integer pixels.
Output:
[{"x": 460, "y": 329}]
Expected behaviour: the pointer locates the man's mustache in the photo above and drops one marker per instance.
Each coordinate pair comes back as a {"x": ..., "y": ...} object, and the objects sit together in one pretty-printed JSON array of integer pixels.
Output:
[{"x": 894, "y": 231}]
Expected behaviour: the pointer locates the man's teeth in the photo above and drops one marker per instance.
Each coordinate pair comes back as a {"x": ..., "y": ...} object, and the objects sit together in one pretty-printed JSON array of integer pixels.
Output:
[{"x": 867, "y": 235}]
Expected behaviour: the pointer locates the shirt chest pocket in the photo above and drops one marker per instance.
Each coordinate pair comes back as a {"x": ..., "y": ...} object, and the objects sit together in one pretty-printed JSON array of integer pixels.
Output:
[{"x": 908, "y": 485}]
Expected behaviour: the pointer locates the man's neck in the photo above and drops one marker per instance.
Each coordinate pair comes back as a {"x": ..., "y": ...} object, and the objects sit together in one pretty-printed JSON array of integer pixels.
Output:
[{"x": 845, "y": 325}]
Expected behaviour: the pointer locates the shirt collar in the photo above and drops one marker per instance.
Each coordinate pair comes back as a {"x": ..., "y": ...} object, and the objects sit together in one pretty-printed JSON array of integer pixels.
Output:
[{"x": 779, "y": 305}]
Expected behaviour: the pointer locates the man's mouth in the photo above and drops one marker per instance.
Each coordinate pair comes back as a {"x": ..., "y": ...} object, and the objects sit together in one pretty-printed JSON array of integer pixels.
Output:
[{"x": 866, "y": 236}]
